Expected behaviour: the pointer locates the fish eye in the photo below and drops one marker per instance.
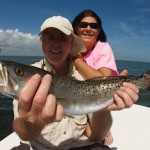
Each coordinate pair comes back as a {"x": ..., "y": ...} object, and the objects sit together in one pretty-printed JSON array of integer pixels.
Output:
[{"x": 19, "y": 71}]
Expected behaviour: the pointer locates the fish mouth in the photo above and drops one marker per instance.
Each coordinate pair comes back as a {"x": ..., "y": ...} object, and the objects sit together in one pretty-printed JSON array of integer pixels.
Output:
[
  {"x": 7, "y": 83},
  {"x": 3, "y": 77}
]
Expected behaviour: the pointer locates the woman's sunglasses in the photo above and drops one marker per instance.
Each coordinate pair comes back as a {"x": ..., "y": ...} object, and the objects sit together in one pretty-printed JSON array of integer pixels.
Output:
[{"x": 85, "y": 24}]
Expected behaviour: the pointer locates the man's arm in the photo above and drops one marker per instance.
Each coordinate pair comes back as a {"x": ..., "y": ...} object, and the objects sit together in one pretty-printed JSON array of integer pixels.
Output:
[
  {"x": 99, "y": 125},
  {"x": 36, "y": 108},
  {"x": 26, "y": 130}
]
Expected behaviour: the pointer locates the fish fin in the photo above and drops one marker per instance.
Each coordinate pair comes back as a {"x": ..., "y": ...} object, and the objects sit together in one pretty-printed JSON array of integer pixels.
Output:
[
  {"x": 97, "y": 78},
  {"x": 110, "y": 77}
]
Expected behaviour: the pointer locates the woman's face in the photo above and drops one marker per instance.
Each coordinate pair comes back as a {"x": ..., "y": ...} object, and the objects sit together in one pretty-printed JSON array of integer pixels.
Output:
[
  {"x": 88, "y": 32},
  {"x": 56, "y": 45}
]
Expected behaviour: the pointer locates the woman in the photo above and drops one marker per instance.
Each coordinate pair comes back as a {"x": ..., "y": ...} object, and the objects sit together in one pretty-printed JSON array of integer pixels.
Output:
[
  {"x": 99, "y": 56},
  {"x": 87, "y": 25}
]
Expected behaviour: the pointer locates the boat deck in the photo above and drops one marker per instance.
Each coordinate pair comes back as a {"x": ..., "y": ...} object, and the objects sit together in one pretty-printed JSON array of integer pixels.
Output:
[{"x": 130, "y": 130}]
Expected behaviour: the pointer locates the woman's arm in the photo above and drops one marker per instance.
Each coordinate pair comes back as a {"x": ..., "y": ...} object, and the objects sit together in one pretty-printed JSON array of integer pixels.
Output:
[{"x": 87, "y": 71}]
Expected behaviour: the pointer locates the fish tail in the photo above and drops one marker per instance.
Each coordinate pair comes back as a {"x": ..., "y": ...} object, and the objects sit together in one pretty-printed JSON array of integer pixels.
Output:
[{"x": 146, "y": 80}]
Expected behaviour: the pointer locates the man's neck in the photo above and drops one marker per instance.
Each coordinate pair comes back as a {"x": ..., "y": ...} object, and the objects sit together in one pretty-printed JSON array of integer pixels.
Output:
[{"x": 62, "y": 69}]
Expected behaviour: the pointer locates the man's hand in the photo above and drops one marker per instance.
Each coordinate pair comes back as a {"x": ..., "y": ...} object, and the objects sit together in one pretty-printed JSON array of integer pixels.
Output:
[{"x": 36, "y": 105}]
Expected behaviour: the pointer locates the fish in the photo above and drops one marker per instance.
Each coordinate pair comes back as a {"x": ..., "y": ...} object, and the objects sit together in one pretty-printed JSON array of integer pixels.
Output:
[{"x": 77, "y": 97}]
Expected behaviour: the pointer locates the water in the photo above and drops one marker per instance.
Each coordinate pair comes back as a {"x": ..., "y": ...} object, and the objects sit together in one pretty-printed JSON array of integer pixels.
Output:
[
  {"x": 136, "y": 69},
  {"x": 6, "y": 112}
]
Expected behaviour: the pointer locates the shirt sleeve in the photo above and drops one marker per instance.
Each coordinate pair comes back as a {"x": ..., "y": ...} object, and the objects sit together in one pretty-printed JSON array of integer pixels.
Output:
[{"x": 105, "y": 58}]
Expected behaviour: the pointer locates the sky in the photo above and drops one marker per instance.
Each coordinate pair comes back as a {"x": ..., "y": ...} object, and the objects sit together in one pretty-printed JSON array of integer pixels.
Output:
[{"x": 125, "y": 22}]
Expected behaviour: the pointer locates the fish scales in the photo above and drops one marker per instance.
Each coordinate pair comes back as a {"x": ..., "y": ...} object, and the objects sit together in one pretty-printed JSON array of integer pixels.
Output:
[{"x": 77, "y": 97}]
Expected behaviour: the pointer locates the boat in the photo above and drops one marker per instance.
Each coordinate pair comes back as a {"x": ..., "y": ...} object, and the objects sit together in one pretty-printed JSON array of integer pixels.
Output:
[{"x": 130, "y": 130}]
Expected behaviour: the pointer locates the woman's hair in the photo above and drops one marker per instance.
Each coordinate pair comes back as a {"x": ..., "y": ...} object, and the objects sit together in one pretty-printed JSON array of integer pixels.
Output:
[{"x": 89, "y": 13}]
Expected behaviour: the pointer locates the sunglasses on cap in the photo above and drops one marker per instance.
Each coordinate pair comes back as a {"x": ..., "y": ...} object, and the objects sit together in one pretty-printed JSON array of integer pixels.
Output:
[{"x": 85, "y": 24}]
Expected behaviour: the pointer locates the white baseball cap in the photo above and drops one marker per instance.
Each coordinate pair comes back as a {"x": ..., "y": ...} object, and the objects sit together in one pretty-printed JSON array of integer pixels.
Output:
[{"x": 64, "y": 26}]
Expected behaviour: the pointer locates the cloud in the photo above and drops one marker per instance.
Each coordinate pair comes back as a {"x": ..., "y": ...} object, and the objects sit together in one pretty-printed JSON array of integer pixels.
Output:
[
  {"x": 147, "y": 10},
  {"x": 19, "y": 43},
  {"x": 146, "y": 31},
  {"x": 141, "y": 1},
  {"x": 125, "y": 27}
]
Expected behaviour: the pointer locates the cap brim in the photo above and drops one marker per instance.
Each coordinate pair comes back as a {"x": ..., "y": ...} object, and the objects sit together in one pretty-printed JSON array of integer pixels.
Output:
[
  {"x": 62, "y": 29},
  {"x": 78, "y": 46}
]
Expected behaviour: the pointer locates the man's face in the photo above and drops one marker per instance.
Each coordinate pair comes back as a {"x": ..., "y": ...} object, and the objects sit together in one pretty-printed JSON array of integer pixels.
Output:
[{"x": 56, "y": 45}]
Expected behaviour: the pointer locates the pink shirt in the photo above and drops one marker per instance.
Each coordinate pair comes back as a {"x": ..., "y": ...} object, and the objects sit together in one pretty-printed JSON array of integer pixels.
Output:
[{"x": 102, "y": 56}]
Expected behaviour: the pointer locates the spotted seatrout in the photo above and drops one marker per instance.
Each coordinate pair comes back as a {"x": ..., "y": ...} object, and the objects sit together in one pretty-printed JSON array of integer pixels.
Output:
[{"x": 77, "y": 97}]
